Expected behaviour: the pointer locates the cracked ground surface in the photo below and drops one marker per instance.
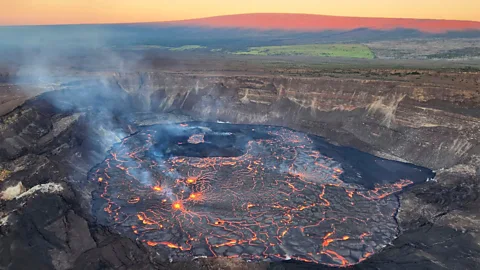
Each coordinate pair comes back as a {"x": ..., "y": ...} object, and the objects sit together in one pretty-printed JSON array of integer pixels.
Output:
[
  {"x": 54, "y": 140},
  {"x": 255, "y": 192}
]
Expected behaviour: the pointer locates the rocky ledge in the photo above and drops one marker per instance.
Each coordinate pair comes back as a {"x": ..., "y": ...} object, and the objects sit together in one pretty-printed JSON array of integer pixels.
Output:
[{"x": 50, "y": 142}]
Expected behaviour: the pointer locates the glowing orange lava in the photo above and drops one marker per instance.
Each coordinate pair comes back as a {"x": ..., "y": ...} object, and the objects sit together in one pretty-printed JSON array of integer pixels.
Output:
[
  {"x": 280, "y": 195},
  {"x": 177, "y": 206},
  {"x": 191, "y": 180},
  {"x": 152, "y": 244},
  {"x": 134, "y": 200},
  {"x": 196, "y": 196}
]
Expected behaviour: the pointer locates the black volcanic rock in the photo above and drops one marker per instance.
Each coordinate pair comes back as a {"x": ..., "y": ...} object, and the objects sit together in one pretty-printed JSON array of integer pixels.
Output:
[{"x": 48, "y": 224}]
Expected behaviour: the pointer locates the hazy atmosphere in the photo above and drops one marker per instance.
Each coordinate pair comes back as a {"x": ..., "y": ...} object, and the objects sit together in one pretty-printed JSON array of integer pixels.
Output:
[
  {"x": 31, "y": 12},
  {"x": 239, "y": 135}
]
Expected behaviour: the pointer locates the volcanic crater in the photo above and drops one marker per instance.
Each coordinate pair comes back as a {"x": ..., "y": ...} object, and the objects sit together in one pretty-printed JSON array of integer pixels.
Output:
[
  {"x": 113, "y": 172},
  {"x": 255, "y": 192}
]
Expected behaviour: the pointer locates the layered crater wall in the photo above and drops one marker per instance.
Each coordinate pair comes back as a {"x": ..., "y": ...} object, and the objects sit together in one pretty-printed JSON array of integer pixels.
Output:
[
  {"x": 50, "y": 143},
  {"x": 427, "y": 118},
  {"x": 430, "y": 124}
]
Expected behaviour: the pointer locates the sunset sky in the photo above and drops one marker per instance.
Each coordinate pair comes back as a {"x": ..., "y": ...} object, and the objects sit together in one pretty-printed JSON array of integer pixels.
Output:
[{"x": 26, "y": 12}]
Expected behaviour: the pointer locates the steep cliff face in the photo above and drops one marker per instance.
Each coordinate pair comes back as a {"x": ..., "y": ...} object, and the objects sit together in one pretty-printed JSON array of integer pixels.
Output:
[
  {"x": 429, "y": 124},
  {"x": 49, "y": 144},
  {"x": 432, "y": 122}
]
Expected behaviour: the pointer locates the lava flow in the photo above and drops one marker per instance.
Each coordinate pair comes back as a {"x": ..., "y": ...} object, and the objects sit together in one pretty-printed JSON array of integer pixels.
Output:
[{"x": 275, "y": 197}]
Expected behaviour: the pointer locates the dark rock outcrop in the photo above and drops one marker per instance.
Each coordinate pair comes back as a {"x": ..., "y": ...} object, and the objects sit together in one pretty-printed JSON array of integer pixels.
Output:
[{"x": 48, "y": 145}]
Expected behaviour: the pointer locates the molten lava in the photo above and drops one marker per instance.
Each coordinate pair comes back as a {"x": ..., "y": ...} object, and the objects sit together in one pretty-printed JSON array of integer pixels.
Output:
[
  {"x": 196, "y": 196},
  {"x": 177, "y": 206},
  {"x": 281, "y": 198},
  {"x": 191, "y": 180}
]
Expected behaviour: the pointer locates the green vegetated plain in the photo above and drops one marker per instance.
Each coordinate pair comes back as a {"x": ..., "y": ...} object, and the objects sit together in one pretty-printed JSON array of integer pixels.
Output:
[
  {"x": 173, "y": 49},
  {"x": 187, "y": 48},
  {"x": 325, "y": 50}
]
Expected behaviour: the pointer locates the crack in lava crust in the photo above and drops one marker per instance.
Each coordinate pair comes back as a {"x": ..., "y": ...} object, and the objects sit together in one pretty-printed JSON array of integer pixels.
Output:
[{"x": 276, "y": 198}]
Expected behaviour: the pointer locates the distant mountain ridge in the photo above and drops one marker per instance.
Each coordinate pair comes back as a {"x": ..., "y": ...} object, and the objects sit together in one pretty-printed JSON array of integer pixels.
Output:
[
  {"x": 310, "y": 22},
  {"x": 241, "y": 32}
]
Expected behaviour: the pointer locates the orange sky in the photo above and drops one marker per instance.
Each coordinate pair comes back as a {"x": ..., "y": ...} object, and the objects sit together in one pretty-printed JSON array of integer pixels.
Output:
[{"x": 15, "y": 12}]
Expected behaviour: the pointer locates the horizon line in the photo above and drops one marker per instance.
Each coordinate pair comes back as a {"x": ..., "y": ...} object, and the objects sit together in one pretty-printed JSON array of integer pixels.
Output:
[{"x": 227, "y": 15}]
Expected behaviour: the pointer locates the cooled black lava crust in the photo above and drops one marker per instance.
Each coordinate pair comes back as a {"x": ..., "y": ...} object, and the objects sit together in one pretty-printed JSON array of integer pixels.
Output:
[{"x": 255, "y": 192}]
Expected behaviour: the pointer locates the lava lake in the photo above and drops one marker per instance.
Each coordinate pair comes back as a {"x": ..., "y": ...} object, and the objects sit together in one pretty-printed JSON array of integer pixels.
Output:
[{"x": 250, "y": 191}]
